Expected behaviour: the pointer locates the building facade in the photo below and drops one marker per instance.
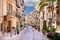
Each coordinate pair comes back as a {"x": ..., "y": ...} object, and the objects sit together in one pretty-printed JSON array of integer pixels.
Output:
[
  {"x": 58, "y": 16},
  {"x": 52, "y": 15},
  {"x": 52, "y": 18},
  {"x": 11, "y": 14},
  {"x": 21, "y": 10},
  {"x": 33, "y": 19},
  {"x": 40, "y": 14}
]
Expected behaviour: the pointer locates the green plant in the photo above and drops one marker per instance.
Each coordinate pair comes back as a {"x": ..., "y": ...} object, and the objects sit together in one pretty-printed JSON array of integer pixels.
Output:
[
  {"x": 44, "y": 26},
  {"x": 17, "y": 29},
  {"x": 21, "y": 25},
  {"x": 52, "y": 29},
  {"x": 44, "y": 3},
  {"x": 56, "y": 36},
  {"x": 17, "y": 15}
]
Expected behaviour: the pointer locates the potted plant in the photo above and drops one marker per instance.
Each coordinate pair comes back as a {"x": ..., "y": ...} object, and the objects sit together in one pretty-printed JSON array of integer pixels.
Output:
[
  {"x": 21, "y": 25},
  {"x": 17, "y": 15},
  {"x": 44, "y": 27},
  {"x": 17, "y": 30},
  {"x": 56, "y": 36}
]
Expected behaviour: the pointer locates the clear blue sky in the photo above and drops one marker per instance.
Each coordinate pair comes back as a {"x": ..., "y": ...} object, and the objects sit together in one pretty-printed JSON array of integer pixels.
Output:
[
  {"x": 29, "y": 6},
  {"x": 28, "y": 9}
]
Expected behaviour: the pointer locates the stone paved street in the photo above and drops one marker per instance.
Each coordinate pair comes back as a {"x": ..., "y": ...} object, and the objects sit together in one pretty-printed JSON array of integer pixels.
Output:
[{"x": 28, "y": 33}]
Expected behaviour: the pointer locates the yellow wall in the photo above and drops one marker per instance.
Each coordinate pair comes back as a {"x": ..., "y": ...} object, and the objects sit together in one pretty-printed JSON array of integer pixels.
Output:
[{"x": 13, "y": 3}]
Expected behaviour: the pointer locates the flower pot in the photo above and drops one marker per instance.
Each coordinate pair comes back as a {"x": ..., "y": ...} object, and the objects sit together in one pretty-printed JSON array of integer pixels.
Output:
[{"x": 17, "y": 32}]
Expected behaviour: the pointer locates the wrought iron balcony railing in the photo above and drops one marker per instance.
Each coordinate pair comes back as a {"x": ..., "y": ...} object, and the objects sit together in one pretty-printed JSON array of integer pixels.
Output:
[
  {"x": 17, "y": 5},
  {"x": 49, "y": 16},
  {"x": 9, "y": 12},
  {"x": 17, "y": 15},
  {"x": 57, "y": 18}
]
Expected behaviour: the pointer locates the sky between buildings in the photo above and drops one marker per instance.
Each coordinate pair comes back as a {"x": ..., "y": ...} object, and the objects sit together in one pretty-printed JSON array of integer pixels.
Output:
[
  {"x": 28, "y": 9},
  {"x": 29, "y": 6}
]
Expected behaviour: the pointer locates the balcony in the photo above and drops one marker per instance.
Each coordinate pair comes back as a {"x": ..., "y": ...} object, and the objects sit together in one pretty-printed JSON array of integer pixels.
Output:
[
  {"x": 17, "y": 15},
  {"x": 17, "y": 4},
  {"x": 49, "y": 16},
  {"x": 58, "y": 18},
  {"x": 9, "y": 12}
]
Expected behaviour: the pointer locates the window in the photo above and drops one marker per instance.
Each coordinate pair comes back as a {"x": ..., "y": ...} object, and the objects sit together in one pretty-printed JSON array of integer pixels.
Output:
[
  {"x": 18, "y": 3},
  {"x": 9, "y": 9},
  {"x": 22, "y": 1},
  {"x": 58, "y": 11},
  {"x": 22, "y": 4},
  {"x": 57, "y": 23},
  {"x": 49, "y": 14}
]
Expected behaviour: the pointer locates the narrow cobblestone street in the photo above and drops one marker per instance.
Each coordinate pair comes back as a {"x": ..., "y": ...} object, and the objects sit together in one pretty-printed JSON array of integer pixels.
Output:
[
  {"x": 29, "y": 19},
  {"x": 28, "y": 33}
]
